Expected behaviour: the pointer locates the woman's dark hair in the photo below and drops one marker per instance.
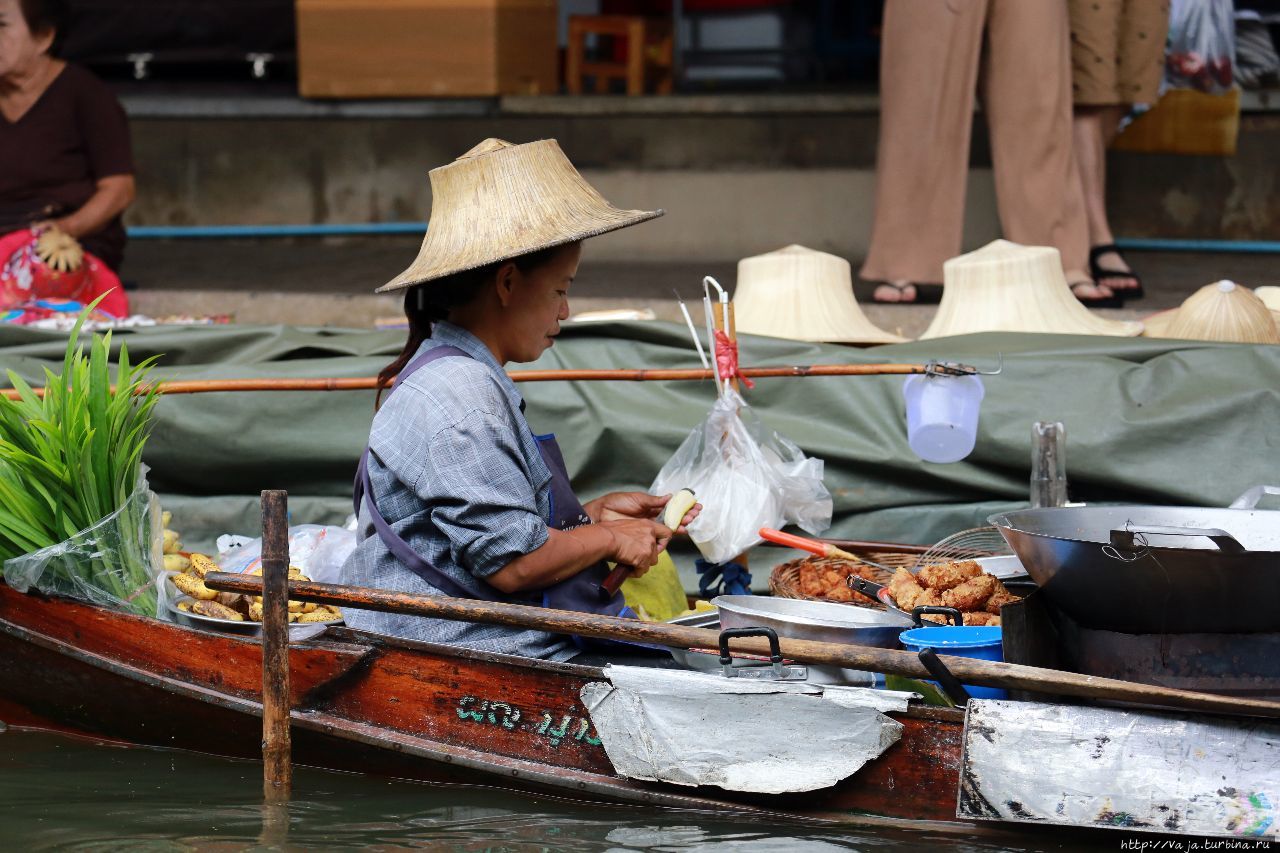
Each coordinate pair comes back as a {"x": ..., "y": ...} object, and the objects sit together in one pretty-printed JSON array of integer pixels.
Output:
[
  {"x": 44, "y": 15},
  {"x": 427, "y": 304}
]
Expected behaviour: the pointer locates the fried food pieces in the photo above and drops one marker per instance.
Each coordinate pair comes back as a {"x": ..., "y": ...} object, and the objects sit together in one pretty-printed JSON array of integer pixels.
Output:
[
  {"x": 829, "y": 579},
  {"x": 962, "y": 585},
  {"x": 945, "y": 576}
]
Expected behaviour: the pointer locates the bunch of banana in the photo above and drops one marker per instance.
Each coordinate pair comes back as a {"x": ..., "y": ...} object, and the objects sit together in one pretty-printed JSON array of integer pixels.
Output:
[
  {"x": 189, "y": 580},
  {"x": 299, "y": 611},
  {"x": 173, "y": 560}
]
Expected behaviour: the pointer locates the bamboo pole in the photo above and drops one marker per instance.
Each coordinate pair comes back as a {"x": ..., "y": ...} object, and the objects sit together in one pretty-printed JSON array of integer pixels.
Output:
[
  {"x": 277, "y": 770},
  {"x": 847, "y": 656},
  {"x": 370, "y": 383}
]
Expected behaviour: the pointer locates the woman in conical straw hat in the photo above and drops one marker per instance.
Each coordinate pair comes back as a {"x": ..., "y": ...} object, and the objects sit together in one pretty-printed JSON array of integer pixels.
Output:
[{"x": 455, "y": 493}]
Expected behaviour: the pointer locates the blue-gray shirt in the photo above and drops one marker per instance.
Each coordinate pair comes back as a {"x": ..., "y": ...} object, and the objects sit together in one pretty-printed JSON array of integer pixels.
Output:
[{"x": 457, "y": 474}]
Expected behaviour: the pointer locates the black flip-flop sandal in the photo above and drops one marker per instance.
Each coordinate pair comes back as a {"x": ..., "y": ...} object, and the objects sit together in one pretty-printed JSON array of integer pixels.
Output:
[
  {"x": 926, "y": 294},
  {"x": 1112, "y": 301},
  {"x": 1100, "y": 274}
]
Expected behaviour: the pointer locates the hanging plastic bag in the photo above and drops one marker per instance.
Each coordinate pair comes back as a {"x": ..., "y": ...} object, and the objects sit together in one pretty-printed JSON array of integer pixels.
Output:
[
  {"x": 746, "y": 476},
  {"x": 1198, "y": 111},
  {"x": 318, "y": 550},
  {"x": 116, "y": 563},
  {"x": 1202, "y": 46}
]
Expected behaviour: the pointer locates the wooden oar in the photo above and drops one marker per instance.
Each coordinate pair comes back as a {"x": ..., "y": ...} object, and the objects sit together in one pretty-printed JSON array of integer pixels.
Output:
[{"x": 890, "y": 661}]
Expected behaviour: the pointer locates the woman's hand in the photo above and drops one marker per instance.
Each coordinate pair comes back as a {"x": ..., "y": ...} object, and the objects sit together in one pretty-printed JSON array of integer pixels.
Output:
[
  {"x": 617, "y": 506},
  {"x": 624, "y": 505},
  {"x": 636, "y": 542}
]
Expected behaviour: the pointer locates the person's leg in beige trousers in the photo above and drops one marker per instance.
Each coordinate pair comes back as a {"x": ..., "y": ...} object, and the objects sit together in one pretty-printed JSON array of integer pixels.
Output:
[{"x": 932, "y": 53}]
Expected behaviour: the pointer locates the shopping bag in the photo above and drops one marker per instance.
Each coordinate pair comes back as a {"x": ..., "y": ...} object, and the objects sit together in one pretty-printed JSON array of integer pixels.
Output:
[{"x": 746, "y": 477}]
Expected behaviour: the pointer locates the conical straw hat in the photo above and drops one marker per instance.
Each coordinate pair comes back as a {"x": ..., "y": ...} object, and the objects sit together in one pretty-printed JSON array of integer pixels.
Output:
[
  {"x": 499, "y": 201},
  {"x": 1006, "y": 287},
  {"x": 1222, "y": 311},
  {"x": 804, "y": 295}
]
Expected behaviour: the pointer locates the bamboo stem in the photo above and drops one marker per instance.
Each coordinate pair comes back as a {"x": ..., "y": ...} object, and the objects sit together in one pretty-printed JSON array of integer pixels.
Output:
[
  {"x": 369, "y": 383},
  {"x": 847, "y": 656},
  {"x": 276, "y": 767}
]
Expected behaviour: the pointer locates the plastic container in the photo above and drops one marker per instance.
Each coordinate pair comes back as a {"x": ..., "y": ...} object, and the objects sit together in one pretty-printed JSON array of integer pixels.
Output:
[
  {"x": 942, "y": 415},
  {"x": 984, "y": 642}
]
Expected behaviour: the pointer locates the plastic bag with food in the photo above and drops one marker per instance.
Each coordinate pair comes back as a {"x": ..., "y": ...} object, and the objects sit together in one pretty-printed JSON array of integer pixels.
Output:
[
  {"x": 746, "y": 476},
  {"x": 318, "y": 550},
  {"x": 1202, "y": 46}
]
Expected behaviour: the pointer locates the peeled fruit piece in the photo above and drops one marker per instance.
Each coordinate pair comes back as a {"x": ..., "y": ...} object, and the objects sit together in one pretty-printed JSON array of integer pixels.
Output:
[
  {"x": 176, "y": 563},
  {"x": 679, "y": 505},
  {"x": 165, "y": 518},
  {"x": 194, "y": 587}
]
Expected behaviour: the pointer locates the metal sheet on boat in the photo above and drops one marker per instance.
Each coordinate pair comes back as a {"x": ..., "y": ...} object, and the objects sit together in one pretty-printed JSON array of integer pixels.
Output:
[
  {"x": 1188, "y": 774},
  {"x": 688, "y": 728}
]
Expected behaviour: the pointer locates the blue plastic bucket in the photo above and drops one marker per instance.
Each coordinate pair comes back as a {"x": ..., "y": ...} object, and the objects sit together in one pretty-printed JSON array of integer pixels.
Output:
[{"x": 979, "y": 641}]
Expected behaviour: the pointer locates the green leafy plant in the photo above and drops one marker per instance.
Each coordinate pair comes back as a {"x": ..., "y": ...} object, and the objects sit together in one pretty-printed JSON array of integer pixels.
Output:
[{"x": 69, "y": 462}]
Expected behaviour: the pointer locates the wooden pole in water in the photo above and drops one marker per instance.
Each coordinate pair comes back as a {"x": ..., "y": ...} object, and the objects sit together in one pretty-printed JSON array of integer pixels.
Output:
[{"x": 277, "y": 771}]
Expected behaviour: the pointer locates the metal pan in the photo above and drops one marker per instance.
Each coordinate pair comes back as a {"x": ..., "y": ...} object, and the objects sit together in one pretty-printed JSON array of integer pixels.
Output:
[
  {"x": 1155, "y": 569},
  {"x": 827, "y": 622}
]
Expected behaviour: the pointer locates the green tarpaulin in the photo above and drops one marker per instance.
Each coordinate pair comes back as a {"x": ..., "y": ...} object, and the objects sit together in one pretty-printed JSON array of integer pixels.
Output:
[{"x": 1146, "y": 420}]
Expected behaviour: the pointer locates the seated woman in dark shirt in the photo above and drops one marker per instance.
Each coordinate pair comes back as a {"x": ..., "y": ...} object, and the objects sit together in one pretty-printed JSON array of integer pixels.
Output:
[{"x": 64, "y": 139}]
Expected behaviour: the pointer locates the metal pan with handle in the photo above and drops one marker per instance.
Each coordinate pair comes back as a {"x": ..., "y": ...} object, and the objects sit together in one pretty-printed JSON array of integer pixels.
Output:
[{"x": 1155, "y": 569}]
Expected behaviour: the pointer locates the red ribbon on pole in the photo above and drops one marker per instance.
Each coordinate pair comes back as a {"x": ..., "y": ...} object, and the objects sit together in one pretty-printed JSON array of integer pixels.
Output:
[{"x": 727, "y": 359}]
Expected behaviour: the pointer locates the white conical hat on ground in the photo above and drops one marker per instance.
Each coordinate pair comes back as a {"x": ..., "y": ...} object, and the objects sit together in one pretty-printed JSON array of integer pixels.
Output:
[
  {"x": 1006, "y": 287},
  {"x": 804, "y": 295},
  {"x": 499, "y": 201},
  {"x": 1222, "y": 311}
]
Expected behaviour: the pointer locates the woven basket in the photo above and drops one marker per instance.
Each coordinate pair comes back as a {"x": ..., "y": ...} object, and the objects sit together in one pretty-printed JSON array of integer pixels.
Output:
[{"x": 785, "y": 580}]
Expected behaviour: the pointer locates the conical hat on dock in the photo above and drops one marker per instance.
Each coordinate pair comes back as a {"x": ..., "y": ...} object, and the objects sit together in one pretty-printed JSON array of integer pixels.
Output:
[
  {"x": 499, "y": 201},
  {"x": 804, "y": 295},
  {"x": 1007, "y": 287},
  {"x": 1222, "y": 311}
]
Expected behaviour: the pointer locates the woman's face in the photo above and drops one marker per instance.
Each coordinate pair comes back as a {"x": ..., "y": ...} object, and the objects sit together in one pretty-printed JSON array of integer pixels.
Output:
[
  {"x": 537, "y": 302},
  {"x": 20, "y": 49}
]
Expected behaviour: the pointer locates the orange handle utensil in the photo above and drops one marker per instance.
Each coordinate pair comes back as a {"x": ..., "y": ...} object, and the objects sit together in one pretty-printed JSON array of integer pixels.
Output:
[{"x": 813, "y": 546}]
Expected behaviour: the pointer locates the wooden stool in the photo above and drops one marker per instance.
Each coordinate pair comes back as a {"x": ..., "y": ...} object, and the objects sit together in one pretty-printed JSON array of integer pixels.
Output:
[{"x": 648, "y": 47}]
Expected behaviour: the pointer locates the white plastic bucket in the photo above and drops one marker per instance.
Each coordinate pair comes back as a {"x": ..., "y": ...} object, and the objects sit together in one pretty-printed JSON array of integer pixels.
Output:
[{"x": 942, "y": 415}]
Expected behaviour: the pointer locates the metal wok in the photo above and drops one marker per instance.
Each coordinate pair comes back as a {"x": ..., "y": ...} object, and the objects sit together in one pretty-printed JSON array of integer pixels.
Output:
[{"x": 1155, "y": 569}]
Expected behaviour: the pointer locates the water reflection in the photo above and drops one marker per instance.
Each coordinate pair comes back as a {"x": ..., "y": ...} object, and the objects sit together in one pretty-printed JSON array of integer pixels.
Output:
[{"x": 60, "y": 793}]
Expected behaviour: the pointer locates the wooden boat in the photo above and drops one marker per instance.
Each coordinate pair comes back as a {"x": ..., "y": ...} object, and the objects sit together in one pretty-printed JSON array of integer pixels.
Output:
[
  {"x": 374, "y": 704},
  {"x": 378, "y": 705}
]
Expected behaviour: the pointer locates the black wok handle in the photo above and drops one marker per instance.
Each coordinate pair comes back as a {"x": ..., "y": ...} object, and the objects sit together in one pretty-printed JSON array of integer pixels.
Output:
[
  {"x": 956, "y": 617},
  {"x": 871, "y": 589},
  {"x": 1226, "y": 543}
]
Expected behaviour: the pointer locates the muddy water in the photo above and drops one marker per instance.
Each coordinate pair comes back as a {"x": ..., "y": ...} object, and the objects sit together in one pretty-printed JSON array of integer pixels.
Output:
[{"x": 63, "y": 793}]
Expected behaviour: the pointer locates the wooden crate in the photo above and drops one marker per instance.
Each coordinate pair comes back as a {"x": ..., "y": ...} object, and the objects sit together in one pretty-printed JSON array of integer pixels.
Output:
[{"x": 426, "y": 48}]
